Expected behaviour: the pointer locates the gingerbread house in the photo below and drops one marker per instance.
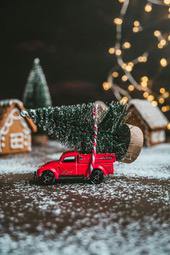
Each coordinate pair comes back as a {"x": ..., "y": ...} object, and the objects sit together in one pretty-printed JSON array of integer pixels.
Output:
[
  {"x": 15, "y": 131},
  {"x": 149, "y": 119}
]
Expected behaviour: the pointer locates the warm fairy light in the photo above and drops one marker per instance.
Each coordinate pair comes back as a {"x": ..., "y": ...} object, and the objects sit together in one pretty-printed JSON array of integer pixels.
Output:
[
  {"x": 144, "y": 78},
  {"x": 162, "y": 90},
  {"x": 129, "y": 68},
  {"x": 118, "y": 52},
  {"x": 136, "y": 23},
  {"x": 106, "y": 85},
  {"x": 163, "y": 62},
  {"x": 154, "y": 103},
  {"x": 115, "y": 74},
  {"x": 144, "y": 84},
  {"x": 124, "y": 66},
  {"x": 124, "y": 78},
  {"x": 157, "y": 33},
  {"x": 135, "y": 29},
  {"x": 124, "y": 100},
  {"x": 120, "y": 45},
  {"x": 142, "y": 59},
  {"x": 131, "y": 64},
  {"x": 162, "y": 42},
  {"x": 165, "y": 108},
  {"x": 145, "y": 94},
  {"x": 168, "y": 126},
  {"x": 148, "y": 7},
  {"x": 167, "y": 2},
  {"x": 150, "y": 98},
  {"x": 126, "y": 45},
  {"x": 166, "y": 95},
  {"x": 160, "y": 46},
  {"x": 144, "y": 81},
  {"x": 131, "y": 87},
  {"x": 118, "y": 21},
  {"x": 161, "y": 100},
  {"x": 111, "y": 50}
]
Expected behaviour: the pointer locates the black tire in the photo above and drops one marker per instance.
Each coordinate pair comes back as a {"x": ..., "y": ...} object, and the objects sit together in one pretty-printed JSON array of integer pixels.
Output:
[
  {"x": 47, "y": 178},
  {"x": 96, "y": 176}
]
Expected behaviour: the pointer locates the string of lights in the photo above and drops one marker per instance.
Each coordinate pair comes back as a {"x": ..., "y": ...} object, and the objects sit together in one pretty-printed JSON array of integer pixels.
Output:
[{"x": 124, "y": 70}]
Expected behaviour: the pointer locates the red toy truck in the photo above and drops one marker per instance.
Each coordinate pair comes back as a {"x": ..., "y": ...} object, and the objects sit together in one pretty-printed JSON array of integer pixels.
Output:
[{"x": 75, "y": 164}]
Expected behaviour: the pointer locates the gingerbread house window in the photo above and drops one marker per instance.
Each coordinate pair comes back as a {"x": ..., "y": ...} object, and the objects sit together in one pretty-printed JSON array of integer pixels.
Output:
[{"x": 17, "y": 140}]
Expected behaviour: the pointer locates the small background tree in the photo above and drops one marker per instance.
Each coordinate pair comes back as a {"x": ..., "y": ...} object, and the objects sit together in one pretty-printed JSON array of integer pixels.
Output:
[
  {"x": 37, "y": 95},
  {"x": 36, "y": 92}
]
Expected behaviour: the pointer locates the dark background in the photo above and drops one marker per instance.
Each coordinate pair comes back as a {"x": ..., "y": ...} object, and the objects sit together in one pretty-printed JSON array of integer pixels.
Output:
[{"x": 72, "y": 38}]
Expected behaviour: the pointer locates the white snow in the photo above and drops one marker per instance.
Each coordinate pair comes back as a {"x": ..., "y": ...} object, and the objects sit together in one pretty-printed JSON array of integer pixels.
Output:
[{"x": 153, "y": 162}]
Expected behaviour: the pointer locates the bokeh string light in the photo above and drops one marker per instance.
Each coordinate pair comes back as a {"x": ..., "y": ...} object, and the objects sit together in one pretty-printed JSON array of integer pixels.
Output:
[{"x": 124, "y": 70}]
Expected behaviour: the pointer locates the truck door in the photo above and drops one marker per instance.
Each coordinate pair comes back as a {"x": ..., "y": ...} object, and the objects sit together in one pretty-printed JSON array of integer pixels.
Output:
[{"x": 69, "y": 166}]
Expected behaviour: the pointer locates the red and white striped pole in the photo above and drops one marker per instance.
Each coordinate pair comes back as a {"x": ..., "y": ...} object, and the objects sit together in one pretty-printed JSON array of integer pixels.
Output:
[{"x": 95, "y": 130}]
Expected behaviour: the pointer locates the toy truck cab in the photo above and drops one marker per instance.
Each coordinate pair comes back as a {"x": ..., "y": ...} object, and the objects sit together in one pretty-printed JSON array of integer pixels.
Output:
[{"x": 75, "y": 164}]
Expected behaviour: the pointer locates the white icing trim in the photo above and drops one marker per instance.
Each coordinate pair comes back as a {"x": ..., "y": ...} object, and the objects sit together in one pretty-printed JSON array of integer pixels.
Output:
[
  {"x": 17, "y": 140},
  {"x": 15, "y": 115}
]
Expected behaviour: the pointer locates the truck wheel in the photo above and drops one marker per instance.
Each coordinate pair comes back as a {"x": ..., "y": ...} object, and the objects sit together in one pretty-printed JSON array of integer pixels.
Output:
[
  {"x": 47, "y": 178},
  {"x": 96, "y": 176}
]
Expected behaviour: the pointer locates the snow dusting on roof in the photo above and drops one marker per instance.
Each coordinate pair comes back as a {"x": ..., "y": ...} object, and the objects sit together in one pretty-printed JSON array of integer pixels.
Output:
[
  {"x": 9, "y": 102},
  {"x": 151, "y": 114}
]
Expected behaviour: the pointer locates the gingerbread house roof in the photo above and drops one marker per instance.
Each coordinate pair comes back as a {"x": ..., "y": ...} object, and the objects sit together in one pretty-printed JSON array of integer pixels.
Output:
[
  {"x": 152, "y": 115},
  {"x": 5, "y": 108}
]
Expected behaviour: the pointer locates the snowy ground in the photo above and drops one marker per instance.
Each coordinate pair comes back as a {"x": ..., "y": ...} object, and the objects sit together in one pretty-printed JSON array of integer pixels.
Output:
[
  {"x": 152, "y": 163},
  {"x": 127, "y": 214}
]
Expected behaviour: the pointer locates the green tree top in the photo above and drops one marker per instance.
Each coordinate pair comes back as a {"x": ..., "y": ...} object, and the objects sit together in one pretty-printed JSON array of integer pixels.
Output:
[{"x": 36, "y": 92}]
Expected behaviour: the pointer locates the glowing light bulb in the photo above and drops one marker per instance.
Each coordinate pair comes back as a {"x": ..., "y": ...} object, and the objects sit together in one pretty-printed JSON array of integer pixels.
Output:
[
  {"x": 106, "y": 85},
  {"x": 150, "y": 98},
  {"x": 165, "y": 108},
  {"x": 126, "y": 45},
  {"x": 157, "y": 33},
  {"x": 118, "y": 21},
  {"x": 124, "y": 78},
  {"x": 168, "y": 126},
  {"x": 144, "y": 78},
  {"x": 135, "y": 29},
  {"x": 154, "y": 103},
  {"x": 131, "y": 87},
  {"x": 111, "y": 50},
  {"x": 163, "y": 62},
  {"x": 136, "y": 23},
  {"x": 129, "y": 68},
  {"x": 167, "y": 2},
  {"x": 118, "y": 52},
  {"x": 163, "y": 42},
  {"x": 124, "y": 100},
  {"x": 161, "y": 100},
  {"x": 121, "y": 1},
  {"x": 115, "y": 74},
  {"x": 145, "y": 94},
  {"x": 148, "y": 7},
  {"x": 131, "y": 64},
  {"x": 162, "y": 90},
  {"x": 142, "y": 59},
  {"x": 160, "y": 46}
]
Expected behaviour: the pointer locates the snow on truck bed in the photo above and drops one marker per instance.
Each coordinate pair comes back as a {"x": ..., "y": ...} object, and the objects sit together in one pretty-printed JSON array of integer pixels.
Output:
[{"x": 153, "y": 162}]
